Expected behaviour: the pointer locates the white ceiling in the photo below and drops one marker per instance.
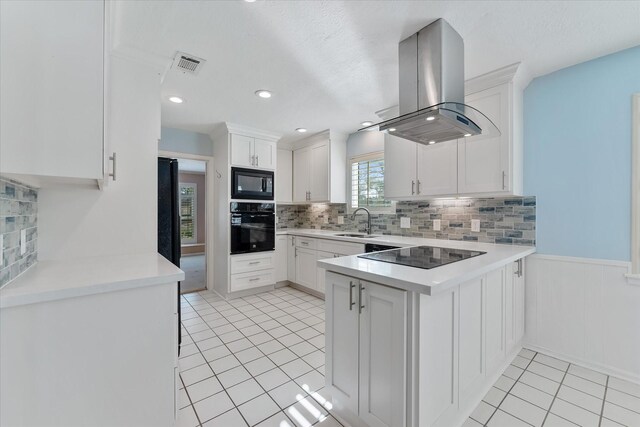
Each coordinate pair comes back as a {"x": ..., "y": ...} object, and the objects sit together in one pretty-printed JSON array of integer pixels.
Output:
[
  {"x": 333, "y": 64},
  {"x": 186, "y": 165}
]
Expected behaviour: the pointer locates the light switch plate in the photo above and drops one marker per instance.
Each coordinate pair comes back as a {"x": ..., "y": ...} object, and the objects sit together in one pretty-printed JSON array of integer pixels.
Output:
[
  {"x": 340, "y": 219},
  {"x": 405, "y": 222},
  {"x": 475, "y": 225},
  {"x": 436, "y": 225},
  {"x": 23, "y": 241}
]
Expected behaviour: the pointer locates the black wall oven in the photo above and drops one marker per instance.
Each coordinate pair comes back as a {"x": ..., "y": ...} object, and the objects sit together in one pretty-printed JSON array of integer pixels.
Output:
[
  {"x": 253, "y": 227},
  {"x": 251, "y": 184}
]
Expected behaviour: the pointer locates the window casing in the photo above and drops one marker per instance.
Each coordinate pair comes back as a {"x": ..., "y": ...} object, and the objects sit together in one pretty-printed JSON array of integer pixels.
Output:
[
  {"x": 367, "y": 184},
  {"x": 188, "y": 213}
]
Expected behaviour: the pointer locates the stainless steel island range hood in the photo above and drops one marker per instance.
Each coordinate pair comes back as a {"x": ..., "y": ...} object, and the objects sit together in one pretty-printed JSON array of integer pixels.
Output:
[{"x": 431, "y": 103}]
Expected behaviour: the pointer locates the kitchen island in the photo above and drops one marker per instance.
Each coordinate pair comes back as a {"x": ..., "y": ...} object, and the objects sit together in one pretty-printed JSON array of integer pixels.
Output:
[{"x": 414, "y": 347}]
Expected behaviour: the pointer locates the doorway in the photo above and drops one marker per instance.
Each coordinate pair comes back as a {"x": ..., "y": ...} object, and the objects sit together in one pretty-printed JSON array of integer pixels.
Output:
[{"x": 195, "y": 206}]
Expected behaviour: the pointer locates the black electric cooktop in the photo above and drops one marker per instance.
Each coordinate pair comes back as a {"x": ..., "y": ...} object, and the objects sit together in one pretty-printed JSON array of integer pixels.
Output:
[{"x": 426, "y": 257}]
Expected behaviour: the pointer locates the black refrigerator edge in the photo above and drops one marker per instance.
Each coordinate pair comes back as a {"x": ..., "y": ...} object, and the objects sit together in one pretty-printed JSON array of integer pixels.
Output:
[{"x": 169, "y": 219}]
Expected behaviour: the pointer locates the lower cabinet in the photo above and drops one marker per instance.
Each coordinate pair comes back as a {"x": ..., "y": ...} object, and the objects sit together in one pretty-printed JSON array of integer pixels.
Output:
[
  {"x": 291, "y": 258},
  {"x": 306, "y": 267},
  {"x": 252, "y": 270},
  {"x": 281, "y": 258},
  {"x": 366, "y": 343}
]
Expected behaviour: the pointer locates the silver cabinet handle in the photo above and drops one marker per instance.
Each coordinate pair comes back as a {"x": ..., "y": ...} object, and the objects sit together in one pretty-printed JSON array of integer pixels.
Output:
[
  {"x": 257, "y": 160},
  {"x": 413, "y": 187},
  {"x": 113, "y": 159},
  {"x": 360, "y": 289},
  {"x": 504, "y": 175},
  {"x": 304, "y": 243},
  {"x": 254, "y": 280},
  {"x": 351, "y": 303},
  {"x": 254, "y": 262},
  {"x": 518, "y": 272},
  {"x": 418, "y": 186}
]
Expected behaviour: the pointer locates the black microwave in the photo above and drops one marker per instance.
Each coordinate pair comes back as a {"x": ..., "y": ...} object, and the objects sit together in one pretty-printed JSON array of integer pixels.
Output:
[{"x": 251, "y": 184}]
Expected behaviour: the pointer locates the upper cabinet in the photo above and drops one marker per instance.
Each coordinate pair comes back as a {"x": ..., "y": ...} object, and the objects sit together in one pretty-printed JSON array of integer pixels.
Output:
[
  {"x": 319, "y": 169},
  {"x": 52, "y": 81},
  {"x": 284, "y": 176},
  {"x": 253, "y": 152},
  {"x": 480, "y": 165}
]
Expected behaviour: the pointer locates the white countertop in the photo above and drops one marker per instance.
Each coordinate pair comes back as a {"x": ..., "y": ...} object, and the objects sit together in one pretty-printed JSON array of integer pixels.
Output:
[
  {"x": 414, "y": 279},
  {"x": 55, "y": 280}
]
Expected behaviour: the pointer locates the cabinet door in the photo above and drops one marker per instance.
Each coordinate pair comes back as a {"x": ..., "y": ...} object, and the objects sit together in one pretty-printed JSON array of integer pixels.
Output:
[
  {"x": 265, "y": 154},
  {"x": 383, "y": 330},
  {"x": 301, "y": 171},
  {"x": 284, "y": 176},
  {"x": 341, "y": 369},
  {"x": 471, "y": 370},
  {"x": 437, "y": 169},
  {"x": 483, "y": 160},
  {"x": 399, "y": 167},
  {"x": 306, "y": 268},
  {"x": 242, "y": 151},
  {"x": 319, "y": 178},
  {"x": 281, "y": 258},
  {"x": 291, "y": 259},
  {"x": 51, "y": 79},
  {"x": 321, "y": 272},
  {"x": 494, "y": 319}
]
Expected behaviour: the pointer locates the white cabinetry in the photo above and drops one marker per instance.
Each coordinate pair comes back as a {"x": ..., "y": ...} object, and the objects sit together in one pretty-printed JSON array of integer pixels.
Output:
[
  {"x": 284, "y": 177},
  {"x": 366, "y": 341},
  {"x": 252, "y": 271},
  {"x": 306, "y": 267},
  {"x": 319, "y": 169},
  {"x": 281, "y": 258},
  {"x": 482, "y": 165},
  {"x": 52, "y": 80},
  {"x": 291, "y": 258},
  {"x": 253, "y": 152}
]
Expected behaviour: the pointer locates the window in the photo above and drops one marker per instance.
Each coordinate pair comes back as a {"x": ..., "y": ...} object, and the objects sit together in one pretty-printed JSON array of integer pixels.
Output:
[
  {"x": 188, "y": 192},
  {"x": 367, "y": 183}
]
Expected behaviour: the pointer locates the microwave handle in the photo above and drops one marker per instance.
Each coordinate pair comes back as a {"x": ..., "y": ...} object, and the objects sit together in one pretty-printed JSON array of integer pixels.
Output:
[{"x": 264, "y": 184}]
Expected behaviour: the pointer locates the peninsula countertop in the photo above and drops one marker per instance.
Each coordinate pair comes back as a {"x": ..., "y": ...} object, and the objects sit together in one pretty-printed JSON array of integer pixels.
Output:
[
  {"x": 414, "y": 279},
  {"x": 61, "y": 279}
]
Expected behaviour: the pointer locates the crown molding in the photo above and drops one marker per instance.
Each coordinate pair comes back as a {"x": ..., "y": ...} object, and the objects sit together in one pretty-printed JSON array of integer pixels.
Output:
[
  {"x": 492, "y": 79},
  {"x": 252, "y": 132}
]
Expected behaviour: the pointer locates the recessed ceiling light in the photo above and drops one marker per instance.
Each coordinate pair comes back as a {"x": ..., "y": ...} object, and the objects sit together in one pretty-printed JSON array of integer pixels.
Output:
[
  {"x": 176, "y": 99},
  {"x": 301, "y": 130},
  {"x": 263, "y": 93},
  {"x": 431, "y": 142},
  {"x": 467, "y": 134},
  {"x": 366, "y": 124},
  {"x": 430, "y": 118},
  {"x": 392, "y": 129}
]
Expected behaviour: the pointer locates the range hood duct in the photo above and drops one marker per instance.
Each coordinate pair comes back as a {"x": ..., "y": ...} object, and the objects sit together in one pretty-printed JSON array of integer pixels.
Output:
[{"x": 431, "y": 76}]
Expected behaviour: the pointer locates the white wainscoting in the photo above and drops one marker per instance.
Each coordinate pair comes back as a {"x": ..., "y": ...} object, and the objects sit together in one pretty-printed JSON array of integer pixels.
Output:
[{"x": 584, "y": 311}]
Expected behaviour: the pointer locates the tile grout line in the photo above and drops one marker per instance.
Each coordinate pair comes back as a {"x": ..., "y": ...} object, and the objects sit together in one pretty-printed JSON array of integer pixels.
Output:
[
  {"x": 509, "y": 392},
  {"x": 604, "y": 399},
  {"x": 556, "y": 394}
]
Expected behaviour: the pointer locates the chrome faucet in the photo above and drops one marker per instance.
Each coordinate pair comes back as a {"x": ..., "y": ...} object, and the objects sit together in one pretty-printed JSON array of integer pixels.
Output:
[{"x": 368, "y": 230}]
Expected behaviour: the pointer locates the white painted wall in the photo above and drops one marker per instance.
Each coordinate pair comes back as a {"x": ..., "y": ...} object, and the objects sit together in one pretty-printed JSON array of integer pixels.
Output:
[
  {"x": 183, "y": 141},
  {"x": 79, "y": 222},
  {"x": 583, "y": 310}
]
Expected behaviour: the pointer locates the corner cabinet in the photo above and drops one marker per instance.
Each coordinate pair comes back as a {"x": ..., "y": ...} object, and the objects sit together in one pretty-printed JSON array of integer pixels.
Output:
[
  {"x": 367, "y": 344},
  {"x": 482, "y": 165},
  {"x": 53, "y": 83},
  {"x": 319, "y": 169}
]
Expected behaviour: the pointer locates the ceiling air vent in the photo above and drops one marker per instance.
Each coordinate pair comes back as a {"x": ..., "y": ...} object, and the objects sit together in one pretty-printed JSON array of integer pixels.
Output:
[{"x": 188, "y": 64}]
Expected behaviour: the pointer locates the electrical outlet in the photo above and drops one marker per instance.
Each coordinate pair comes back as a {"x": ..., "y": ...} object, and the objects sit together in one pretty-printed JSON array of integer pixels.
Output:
[
  {"x": 436, "y": 225},
  {"x": 23, "y": 242},
  {"x": 475, "y": 225},
  {"x": 405, "y": 222},
  {"x": 340, "y": 219}
]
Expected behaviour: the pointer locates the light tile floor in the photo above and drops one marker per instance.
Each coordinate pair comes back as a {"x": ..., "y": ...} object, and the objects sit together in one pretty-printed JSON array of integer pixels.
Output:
[
  {"x": 259, "y": 360},
  {"x": 539, "y": 390},
  {"x": 256, "y": 361}
]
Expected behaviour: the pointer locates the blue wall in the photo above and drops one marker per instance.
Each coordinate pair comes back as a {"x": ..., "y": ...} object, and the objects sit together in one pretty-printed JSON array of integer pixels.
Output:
[{"x": 577, "y": 156}]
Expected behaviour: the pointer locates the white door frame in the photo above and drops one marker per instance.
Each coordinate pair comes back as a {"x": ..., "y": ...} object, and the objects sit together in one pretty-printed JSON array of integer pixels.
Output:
[{"x": 208, "y": 202}]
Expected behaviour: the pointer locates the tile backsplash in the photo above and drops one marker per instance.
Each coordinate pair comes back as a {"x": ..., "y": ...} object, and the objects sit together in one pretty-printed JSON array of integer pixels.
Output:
[
  {"x": 502, "y": 220},
  {"x": 18, "y": 211}
]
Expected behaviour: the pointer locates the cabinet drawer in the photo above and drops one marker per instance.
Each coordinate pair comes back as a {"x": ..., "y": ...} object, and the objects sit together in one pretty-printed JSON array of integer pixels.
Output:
[
  {"x": 305, "y": 242},
  {"x": 342, "y": 248},
  {"x": 251, "y": 280},
  {"x": 251, "y": 262}
]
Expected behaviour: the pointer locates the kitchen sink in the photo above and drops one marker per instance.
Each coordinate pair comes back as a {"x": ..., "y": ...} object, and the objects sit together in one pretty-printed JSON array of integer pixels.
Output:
[{"x": 360, "y": 235}]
